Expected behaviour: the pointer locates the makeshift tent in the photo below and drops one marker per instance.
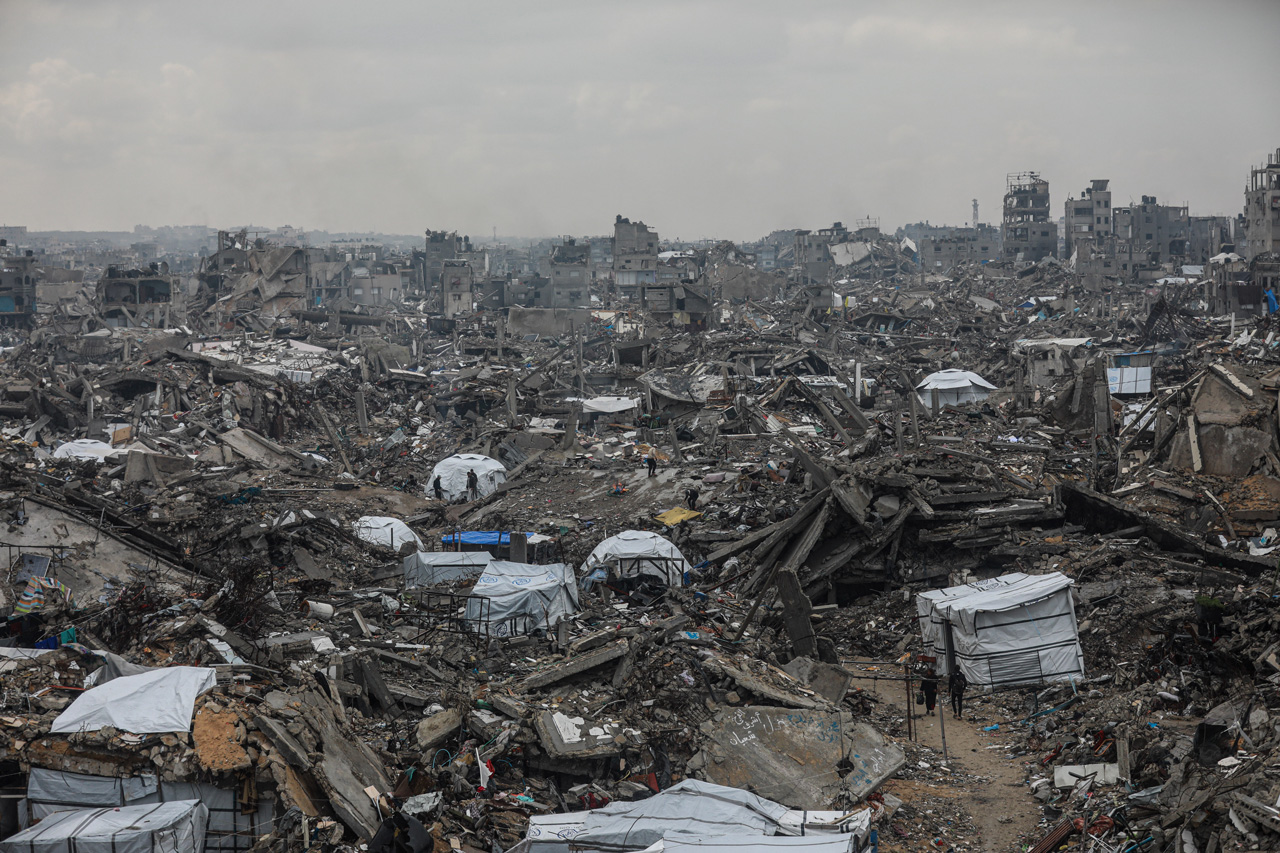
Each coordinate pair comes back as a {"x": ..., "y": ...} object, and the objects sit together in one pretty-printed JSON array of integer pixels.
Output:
[
  {"x": 687, "y": 813},
  {"x": 177, "y": 827},
  {"x": 154, "y": 702},
  {"x": 230, "y": 827},
  {"x": 606, "y": 405},
  {"x": 639, "y": 552},
  {"x": 1014, "y": 629},
  {"x": 452, "y": 471},
  {"x": 520, "y": 598},
  {"x": 386, "y": 531},
  {"x": 427, "y": 568},
  {"x": 955, "y": 388},
  {"x": 84, "y": 449}
]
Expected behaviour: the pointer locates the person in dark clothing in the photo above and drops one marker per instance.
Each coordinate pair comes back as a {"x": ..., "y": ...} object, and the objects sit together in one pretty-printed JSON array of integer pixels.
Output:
[
  {"x": 956, "y": 684},
  {"x": 929, "y": 685},
  {"x": 653, "y": 464},
  {"x": 438, "y": 488},
  {"x": 473, "y": 485},
  {"x": 691, "y": 498}
]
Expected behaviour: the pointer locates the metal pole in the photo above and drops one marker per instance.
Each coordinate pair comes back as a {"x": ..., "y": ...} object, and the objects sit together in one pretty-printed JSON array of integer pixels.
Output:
[{"x": 942, "y": 721}]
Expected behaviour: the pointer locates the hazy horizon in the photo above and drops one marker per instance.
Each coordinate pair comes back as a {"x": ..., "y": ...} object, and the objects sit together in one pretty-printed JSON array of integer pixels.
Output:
[{"x": 706, "y": 120}]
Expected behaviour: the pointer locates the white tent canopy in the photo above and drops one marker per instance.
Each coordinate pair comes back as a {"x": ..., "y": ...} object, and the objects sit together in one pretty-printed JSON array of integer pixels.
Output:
[
  {"x": 85, "y": 449},
  {"x": 427, "y": 568},
  {"x": 452, "y": 471},
  {"x": 154, "y": 702},
  {"x": 1014, "y": 629},
  {"x": 176, "y": 827},
  {"x": 386, "y": 531},
  {"x": 955, "y": 387},
  {"x": 522, "y": 598},
  {"x": 639, "y": 552},
  {"x": 695, "y": 813}
]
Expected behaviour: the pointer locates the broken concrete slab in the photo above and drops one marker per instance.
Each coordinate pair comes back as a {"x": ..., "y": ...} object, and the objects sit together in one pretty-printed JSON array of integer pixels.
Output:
[
  {"x": 574, "y": 666},
  {"x": 794, "y": 757},
  {"x": 572, "y": 737},
  {"x": 437, "y": 728}
]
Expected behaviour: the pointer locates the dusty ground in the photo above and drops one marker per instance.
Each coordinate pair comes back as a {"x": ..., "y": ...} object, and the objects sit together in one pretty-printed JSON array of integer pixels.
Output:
[{"x": 986, "y": 783}]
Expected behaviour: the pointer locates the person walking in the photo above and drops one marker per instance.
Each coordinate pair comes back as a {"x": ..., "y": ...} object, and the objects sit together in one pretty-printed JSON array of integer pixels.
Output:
[
  {"x": 929, "y": 685},
  {"x": 691, "y": 498},
  {"x": 956, "y": 684},
  {"x": 473, "y": 485},
  {"x": 437, "y": 488},
  {"x": 652, "y": 459}
]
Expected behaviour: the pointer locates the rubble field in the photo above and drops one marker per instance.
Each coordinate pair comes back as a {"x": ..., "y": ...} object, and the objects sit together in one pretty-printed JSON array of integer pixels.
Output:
[{"x": 392, "y": 581}]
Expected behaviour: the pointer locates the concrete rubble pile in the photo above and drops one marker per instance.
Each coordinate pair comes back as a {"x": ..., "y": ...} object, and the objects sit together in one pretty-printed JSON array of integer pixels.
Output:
[{"x": 377, "y": 538}]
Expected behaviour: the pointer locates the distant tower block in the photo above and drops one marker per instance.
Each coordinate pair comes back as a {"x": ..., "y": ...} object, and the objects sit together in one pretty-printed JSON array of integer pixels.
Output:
[
  {"x": 1029, "y": 233},
  {"x": 975, "y": 214}
]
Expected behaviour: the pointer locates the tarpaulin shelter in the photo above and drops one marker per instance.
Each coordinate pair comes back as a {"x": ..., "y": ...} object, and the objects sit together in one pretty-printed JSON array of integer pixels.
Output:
[
  {"x": 177, "y": 827},
  {"x": 1014, "y": 629},
  {"x": 230, "y": 827},
  {"x": 154, "y": 702},
  {"x": 538, "y": 547},
  {"x": 519, "y": 598},
  {"x": 386, "y": 531},
  {"x": 452, "y": 471},
  {"x": 428, "y": 568},
  {"x": 632, "y": 553},
  {"x": 693, "y": 812},
  {"x": 84, "y": 449},
  {"x": 955, "y": 388}
]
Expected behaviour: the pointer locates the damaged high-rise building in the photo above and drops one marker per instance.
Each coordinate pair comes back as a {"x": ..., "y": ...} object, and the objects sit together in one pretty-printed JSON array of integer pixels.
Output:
[
  {"x": 1262, "y": 209},
  {"x": 1029, "y": 233}
]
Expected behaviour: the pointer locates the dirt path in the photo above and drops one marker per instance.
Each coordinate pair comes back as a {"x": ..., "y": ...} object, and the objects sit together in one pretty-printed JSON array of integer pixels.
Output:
[
  {"x": 1002, "y": 808},
  {"x": 998, "y": 801}
]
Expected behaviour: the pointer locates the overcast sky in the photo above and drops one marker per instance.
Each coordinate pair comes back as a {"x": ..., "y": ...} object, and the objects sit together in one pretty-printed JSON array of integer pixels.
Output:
[{"x": 704, "y": 119}]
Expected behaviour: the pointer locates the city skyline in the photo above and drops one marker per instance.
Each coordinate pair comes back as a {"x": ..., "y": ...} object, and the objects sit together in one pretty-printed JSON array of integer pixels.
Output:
[{"x": 712, "y": 120}]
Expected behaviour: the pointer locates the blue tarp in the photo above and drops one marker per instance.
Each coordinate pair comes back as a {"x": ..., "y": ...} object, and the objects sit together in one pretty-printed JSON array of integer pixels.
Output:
[{"x": 482, "y": 537}]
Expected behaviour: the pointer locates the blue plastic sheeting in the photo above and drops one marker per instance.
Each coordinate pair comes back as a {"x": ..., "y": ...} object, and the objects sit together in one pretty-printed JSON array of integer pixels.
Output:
[{"x": 482, "y": 537}]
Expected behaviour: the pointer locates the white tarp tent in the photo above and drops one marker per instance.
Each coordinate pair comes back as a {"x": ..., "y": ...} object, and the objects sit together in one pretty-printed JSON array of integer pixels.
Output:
[
  {"x": 229, "y": 828},
  {"x": 522, "y": 598},
  {"x": 428, "y": 568},
  {"x": 692, "y": 812},
  {"x": 154, "y": 702},
  {"x": 452, "y": 471},
  {"x": 386, "y": 531},
  {"x": 176, "y": 827},
  {"x": 639, "y": 552},
  {"x": 1014, "y": 629},
  {"x": 955, "y": 388},
  {"x": 606, "y": 405},
  {"x": 85, "y": 449}
]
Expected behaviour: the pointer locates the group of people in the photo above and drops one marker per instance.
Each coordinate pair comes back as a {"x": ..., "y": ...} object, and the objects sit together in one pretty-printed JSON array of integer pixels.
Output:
[
  {"x": 473, "y": 486},
  {"x": 956, "y": 684}
]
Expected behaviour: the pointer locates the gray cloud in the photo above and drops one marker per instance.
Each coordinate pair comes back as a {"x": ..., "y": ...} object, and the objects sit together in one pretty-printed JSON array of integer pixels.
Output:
[{"x": 705, "y": 119}]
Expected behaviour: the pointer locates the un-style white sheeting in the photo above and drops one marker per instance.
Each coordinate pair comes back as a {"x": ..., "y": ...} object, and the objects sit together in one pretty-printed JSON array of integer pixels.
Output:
[
  {"x": 633, "y": 552},
  {"x": 177, "y": 827},
  {"x": 154, "y": 702},
  {"x": 523, "y": 598},
  {"x": 452, "y": 471},
  {"x": 85, "y": 449},
  {"x": 955, "y": 388},
  {"x": 427, "y": 568},
  {"x": 695, "y": 813},
  {"x": 1013, "y": 629},
  {"x": 610, "y": 405}
]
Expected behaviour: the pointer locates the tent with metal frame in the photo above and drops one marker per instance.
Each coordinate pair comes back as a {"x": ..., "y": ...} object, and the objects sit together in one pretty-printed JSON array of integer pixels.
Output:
[{"x": 1014, "y": 629}]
